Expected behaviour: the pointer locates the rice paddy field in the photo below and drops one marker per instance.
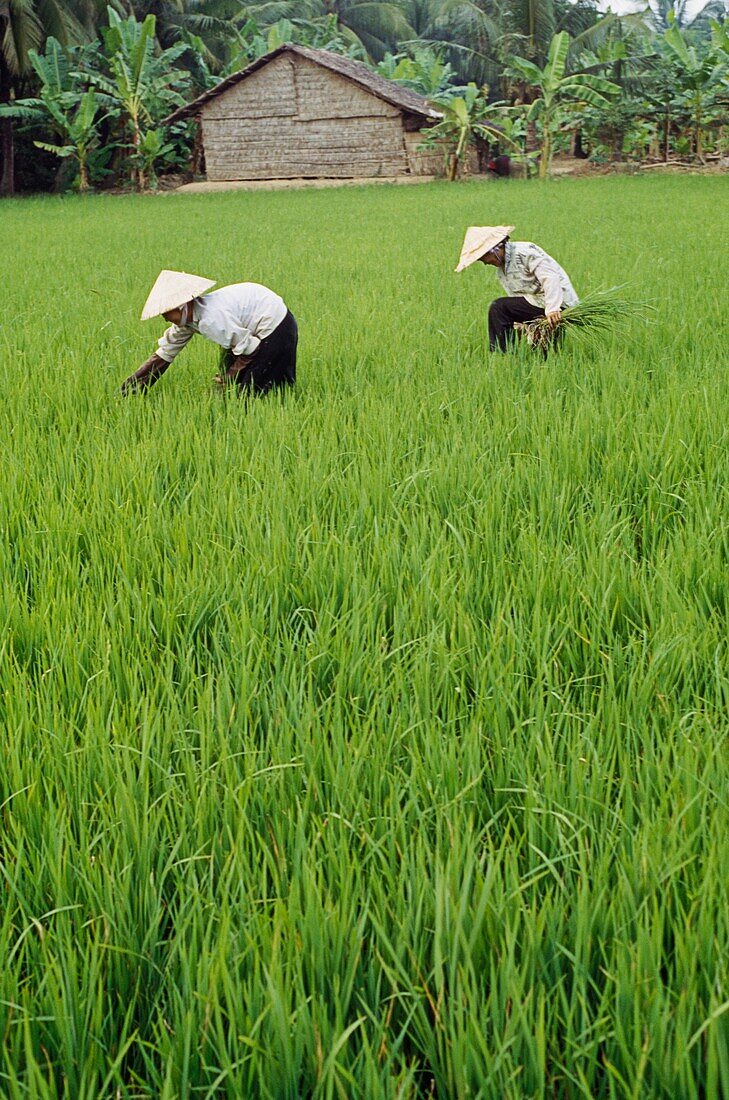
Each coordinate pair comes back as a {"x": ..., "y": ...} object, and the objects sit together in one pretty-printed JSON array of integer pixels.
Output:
[{"x": 371, "y": 743}]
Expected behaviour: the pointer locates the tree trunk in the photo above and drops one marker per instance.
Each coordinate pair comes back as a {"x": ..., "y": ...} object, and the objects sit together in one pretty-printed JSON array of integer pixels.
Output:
[
  {"x": 461, "y": 148},
  {"x": 137, "y": 175},
  {"x": 197, "y": 152},
  {"x": 483, "y": 150},
  {"x": 7, "y": 181},
  {"x": 546, "y": 153},
  {"x": 618, "y": 136},
  {"x": 698, "y": 151},
  {"x": 7, "y": 144},
  {"x": 457, "y": 155},
  {"x": 83, "y": 175},
  {"x": 666, "y": 132}
]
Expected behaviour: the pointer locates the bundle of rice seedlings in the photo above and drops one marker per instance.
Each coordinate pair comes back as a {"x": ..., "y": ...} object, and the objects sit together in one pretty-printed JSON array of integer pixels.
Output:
[{"x": 593, "y": 314}]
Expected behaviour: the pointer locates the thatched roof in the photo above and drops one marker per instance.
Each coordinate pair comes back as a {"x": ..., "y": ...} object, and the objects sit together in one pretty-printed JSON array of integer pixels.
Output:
[{"x": 355, "y": 71}]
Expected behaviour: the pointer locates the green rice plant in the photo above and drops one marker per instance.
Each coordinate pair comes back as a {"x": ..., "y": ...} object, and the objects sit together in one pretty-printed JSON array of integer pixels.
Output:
[
  {"x": 594, "y": 314},
  {"x": 369, "y": 743}
]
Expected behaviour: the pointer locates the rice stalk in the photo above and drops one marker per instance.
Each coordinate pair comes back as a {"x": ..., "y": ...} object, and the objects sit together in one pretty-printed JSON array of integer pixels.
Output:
[
  {"x": 596, "y": 313},
  {"x": 371, "y": 743}
]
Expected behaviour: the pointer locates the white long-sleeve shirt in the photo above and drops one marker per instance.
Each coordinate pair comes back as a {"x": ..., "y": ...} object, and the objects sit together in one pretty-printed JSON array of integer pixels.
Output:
[
  {"x": 237, "y": 317},
  {"x": 531, "y": 272}
]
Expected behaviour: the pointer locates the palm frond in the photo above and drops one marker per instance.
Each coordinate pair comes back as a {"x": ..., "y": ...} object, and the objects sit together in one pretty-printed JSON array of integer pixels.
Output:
[
  {"x": 384, "y": 21},
  {"x": 534, "y": 20},
  {"x": 58, "y": 20},
  {"x": 23, "y": 32}
]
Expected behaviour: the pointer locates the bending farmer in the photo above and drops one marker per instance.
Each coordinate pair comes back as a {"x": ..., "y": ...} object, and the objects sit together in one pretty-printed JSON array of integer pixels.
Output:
[
  {"x": 537, "y": 286},
  {"x": 257, "y": 332}
]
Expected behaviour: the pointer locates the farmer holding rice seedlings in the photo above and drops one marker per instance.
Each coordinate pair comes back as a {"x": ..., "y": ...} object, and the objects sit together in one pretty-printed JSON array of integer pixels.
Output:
[
  {"x": 536, "y": 285},
  {"x": 253, "y": 326}
]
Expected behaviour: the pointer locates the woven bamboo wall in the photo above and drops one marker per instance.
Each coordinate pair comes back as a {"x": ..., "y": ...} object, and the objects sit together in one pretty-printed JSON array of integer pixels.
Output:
[
  {"x": 268, "y": 93},
  {"x": 423, "y": 162},
  {"x": 294, "y": 118},
  {"x": 324, "y": 94}
]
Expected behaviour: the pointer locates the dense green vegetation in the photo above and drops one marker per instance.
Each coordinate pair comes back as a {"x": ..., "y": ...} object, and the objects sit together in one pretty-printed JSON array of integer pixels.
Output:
[
  {"x": 371, "y": 743},
  {"x": 93, "y": 86}
]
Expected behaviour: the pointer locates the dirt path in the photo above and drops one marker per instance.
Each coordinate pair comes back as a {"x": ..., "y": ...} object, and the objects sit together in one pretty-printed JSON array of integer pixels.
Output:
[{"x": 205, "y": 186}]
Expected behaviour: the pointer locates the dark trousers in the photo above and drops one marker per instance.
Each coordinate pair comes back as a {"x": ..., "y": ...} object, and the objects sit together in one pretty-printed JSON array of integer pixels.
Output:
[
  {"x": 503, "y": 312},
  {"x": 273, "y": 365}
]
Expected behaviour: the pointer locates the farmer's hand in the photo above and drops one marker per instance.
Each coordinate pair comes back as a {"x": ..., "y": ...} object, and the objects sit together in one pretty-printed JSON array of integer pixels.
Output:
[
  {"x": 554, "y": 318},
  {"x": 239, "y": 364},
  {"x": 149, "y": 372}
]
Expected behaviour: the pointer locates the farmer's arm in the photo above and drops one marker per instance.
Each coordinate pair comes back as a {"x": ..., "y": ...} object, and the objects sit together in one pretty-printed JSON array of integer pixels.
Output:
[
  {"x": 551, "y": 284},
  {"x": 240, "y": 340},
  {"x": 244, "y": 346},
  {"x": 169, "y": 346},
  {"x": 244, "y": 343}
]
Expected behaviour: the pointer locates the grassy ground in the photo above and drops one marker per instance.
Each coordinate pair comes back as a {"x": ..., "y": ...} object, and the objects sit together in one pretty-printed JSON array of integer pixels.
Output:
[{"x": 370, "y": 744}]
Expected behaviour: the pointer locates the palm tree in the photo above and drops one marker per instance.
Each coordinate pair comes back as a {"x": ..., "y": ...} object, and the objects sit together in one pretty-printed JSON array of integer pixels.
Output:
[
  {"x": 61, "y": 106},
  {"x": 378, "y": 25},
  {"x": 667, "y": 13},
  {"x": 168, "y": 15},
  {"x": 212, "y": 27},
  {"x": 533, "y": 22},
  {"x": 621, "y": 48},
  {"x": 78, "y": 129},
  {"x": 465, "y": 31},
  {"x": 20, "y": 31},
  {"x": 24, "y": 26},
  {"x": 479, "y": 35},
  {"x": 90, "y": 15}
]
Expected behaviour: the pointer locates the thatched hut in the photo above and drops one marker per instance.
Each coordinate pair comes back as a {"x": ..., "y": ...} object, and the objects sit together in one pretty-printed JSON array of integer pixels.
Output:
[{"x": 305, "y": 113}]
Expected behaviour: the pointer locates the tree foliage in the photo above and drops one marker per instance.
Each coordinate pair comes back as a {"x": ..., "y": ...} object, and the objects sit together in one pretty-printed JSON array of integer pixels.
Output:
[
  {"x": 142, "y": 81},
  {"x": 466, "y": 117},
  {"x": 627, "y": 85},
  {"x": 558, "y": 90}
]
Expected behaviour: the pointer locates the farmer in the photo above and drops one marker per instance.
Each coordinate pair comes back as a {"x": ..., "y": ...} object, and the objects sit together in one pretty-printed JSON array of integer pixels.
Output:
[
  {"x": 537, "y": 286},
  {"x": 252, "y": 325}
]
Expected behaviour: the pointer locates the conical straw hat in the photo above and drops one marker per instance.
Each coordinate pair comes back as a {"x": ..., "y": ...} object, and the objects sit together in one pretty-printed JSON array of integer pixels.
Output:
[
  {"x": 479, "y": 240},
  {"x": 173, "y": 289}
]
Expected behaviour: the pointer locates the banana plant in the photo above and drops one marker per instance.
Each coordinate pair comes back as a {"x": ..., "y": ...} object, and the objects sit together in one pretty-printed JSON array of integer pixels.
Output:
[
  {"x": 720, "y": 42},
  {"x": 720, "y": 35},
  {"x": 62, "y": 106},
  {"x": 700, "y": 77},
  {"x": 466, "y": 117},
  {"x": 557, "y": 89},
  {"x": 80, "y": 128},
  {"x": 152, "y": 147},
  {"x": 425, "y": 72},
  {"x": 75, "y": 124},
  {"x": 143, "y": 82},
  {"x": 56, "y": 75}
]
